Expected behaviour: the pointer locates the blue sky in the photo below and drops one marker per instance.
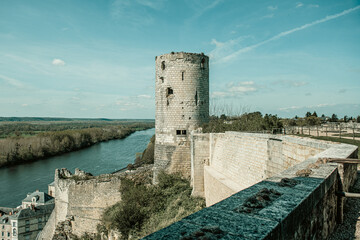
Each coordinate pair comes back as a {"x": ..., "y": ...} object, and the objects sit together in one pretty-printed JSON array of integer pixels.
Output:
[{"x": 96, "y": 58}]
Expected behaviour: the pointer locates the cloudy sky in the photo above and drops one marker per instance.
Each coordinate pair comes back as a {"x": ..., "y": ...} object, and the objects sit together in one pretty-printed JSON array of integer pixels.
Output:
[{"x": 95, "y": 58}]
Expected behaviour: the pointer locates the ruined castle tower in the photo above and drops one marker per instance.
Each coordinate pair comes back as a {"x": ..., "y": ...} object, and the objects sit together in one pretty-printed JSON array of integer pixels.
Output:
[{"x": 182, "y": 105}]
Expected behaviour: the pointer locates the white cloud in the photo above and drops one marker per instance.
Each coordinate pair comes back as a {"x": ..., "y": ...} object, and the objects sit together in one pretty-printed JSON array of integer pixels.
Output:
[
  {"x": 285, "y": 33},
  {"x": 290, "y": 108},
  {"x": 144, "y": 96},
  {"x": 321, "y": 105},
  {"x": 58, "y": 62},
  {"x": 224, "y": 48},
  {"x": 268, "y": 16},
  {"x": 135, "y": 12},
  {"x": 299, "y": 4},
  {"x": 272, "y": 8},
  {"x": 198, "y": 6},
  {"x": 290, "y": 83},
  {"x": 12, "y": 81},
  {"x": 313, "y": 6},
  {"x": 24, "y": 105},
  {"x": 235, "y": 90},
  {"x": 128, "y": 104},
  {"x": 216, "y": 43},
  {"x": 151, "y": 3}
]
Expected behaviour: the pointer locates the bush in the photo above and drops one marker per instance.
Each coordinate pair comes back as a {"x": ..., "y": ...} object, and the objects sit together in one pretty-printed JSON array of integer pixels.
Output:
[
  {"x": 148, "y": 154},
  {"x": 148, "y": 208},
  {"x": 130, "y": 167}
]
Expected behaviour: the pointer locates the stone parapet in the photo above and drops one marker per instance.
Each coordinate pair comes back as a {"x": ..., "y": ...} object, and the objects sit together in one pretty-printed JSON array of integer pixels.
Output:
[{"x": 288, "y": 205}]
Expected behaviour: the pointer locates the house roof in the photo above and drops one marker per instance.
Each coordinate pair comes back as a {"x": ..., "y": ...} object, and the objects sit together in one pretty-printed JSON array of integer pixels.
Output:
[
  {"x": 34, "y": 212},
  {"x": 5, "y": 220},
  {"x": 41, "y": 197}
]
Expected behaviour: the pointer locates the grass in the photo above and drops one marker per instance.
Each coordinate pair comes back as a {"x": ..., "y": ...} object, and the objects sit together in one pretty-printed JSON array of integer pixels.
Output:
[{"x": 348, "y": 135}]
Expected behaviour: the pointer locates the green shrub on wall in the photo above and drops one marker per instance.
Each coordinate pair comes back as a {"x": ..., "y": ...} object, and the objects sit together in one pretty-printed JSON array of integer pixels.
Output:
[{"x": 147, "y": 208}]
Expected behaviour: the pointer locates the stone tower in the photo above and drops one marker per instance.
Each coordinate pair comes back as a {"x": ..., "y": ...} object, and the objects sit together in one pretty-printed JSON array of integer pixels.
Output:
[{"x": 182, "y": 105}]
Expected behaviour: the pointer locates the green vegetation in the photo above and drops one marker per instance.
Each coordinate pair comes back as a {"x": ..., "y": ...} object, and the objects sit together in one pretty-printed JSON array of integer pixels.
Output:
[
  {"x": 146, "y": 208},
  {"x": 251, "y": 122},
  {"x": 23, "y": 127},
  {"x": 23, "y": 148},
  {"x": 147, "y": 156},
  {"x": 357, "y": 135}
]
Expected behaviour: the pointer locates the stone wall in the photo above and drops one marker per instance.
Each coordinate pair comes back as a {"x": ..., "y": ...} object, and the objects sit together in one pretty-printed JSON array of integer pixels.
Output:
[
  {"x": 200, "y": 152},
  {"x": 83, "y": 199},
  {"x": 238, "y": 160},
  {"x": 287, "y": 205},
  {"x": 182, "y": 105},
  {"x": 48, "y": 231}
]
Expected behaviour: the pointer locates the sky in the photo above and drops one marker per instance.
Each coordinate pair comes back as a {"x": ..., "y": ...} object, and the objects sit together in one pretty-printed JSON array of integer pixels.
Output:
[{"x": 96, "y": 58}]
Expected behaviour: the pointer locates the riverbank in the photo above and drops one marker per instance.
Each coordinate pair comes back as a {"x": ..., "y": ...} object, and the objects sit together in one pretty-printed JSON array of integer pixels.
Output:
[
  {"x": 102, "y": 158},
  {"x": 20, "y": 149}
]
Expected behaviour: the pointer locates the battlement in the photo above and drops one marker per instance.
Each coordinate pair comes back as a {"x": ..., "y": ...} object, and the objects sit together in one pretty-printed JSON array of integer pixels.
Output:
[{"x": 181, "y": 55}]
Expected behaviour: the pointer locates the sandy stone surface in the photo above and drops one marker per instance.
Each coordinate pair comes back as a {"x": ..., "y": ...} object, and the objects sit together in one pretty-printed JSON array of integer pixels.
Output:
[{"x": 350, "y": 229}]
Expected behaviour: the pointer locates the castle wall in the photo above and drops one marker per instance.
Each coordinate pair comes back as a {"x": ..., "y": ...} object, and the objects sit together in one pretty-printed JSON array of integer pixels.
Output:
[
  {"x": 237, "y": 160},
  {"x": 84, "y": 201},
  {"x": 284, "y": 206},
  {"x": 48, "y": 231},
  {"x": 200, "y": 152},
  {"x": 182, "y": 105}
]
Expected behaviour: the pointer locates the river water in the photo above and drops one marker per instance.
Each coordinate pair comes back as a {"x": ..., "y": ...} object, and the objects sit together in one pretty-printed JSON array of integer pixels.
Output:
[{"x": 105, "y": 157}]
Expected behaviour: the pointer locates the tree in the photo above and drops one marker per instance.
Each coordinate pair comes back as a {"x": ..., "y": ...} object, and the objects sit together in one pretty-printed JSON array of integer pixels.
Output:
[
  {"x": 308, "y": 114},
  {"x": 358, "y": 119},
  {"x": 334, "y": 118},
  {"x": 346, "y": 118},
  {"x": 314, "y": 114},
  {"x": 312, "y": 121}
]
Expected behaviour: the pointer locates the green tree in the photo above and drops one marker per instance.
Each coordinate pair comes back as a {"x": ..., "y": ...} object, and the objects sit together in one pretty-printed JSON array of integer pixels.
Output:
[
  {"x": 314, "y": 114},
  {"x": 312, "y": 121},
  {"x": 334, "y": 118},
  {"x": 308, "y": 114},
  {"x": 358, "y": 119}
]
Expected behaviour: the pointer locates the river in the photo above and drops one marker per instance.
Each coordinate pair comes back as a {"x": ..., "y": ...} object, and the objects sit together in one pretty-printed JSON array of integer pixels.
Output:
[{"x": 105, "y": 157}]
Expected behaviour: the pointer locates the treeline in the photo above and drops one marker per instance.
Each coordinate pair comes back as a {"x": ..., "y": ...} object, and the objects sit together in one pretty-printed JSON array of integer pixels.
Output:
[
  {"x": 32, "y": 128},
  {"x": 14, "y": 150},
  {"x": 312, "y": 119},
  {"x": 32, "y": 119},
  {"x": 250, "y": 122}
]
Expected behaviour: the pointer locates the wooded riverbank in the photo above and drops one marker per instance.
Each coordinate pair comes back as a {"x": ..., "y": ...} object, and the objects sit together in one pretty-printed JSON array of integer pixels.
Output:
[{"x": 21, "y": 149}]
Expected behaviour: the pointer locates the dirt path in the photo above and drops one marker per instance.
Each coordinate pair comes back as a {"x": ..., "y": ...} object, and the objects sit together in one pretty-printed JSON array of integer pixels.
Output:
[{"x": 350, "y": 229}]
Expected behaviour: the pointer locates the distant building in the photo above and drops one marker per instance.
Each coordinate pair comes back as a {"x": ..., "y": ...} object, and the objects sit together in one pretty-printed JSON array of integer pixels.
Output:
[
  {"x": 5, "y": 225},
  {"x": 27, "y": 220},
  {"x": 36, "y": 199}
]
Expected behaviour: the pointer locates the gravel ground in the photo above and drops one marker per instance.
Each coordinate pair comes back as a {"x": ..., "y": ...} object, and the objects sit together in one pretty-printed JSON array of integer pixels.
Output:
[{"x": 350, "y": 229}]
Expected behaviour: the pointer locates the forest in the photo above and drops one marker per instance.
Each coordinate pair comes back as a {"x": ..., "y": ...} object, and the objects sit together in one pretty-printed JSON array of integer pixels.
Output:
[{"x": 29, "y": 141}]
